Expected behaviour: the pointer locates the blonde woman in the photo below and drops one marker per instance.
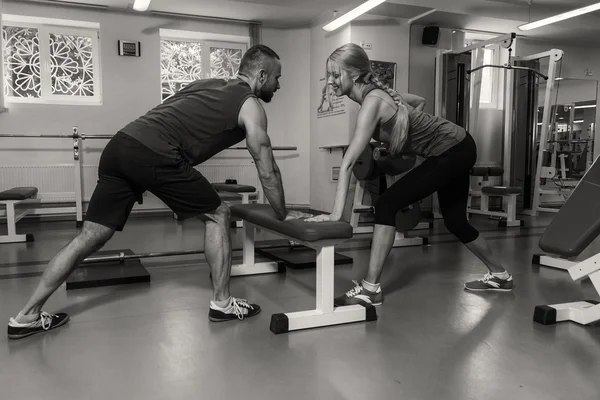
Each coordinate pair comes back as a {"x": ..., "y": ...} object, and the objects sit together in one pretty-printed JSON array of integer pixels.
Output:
[{"x": 449, "y": 152}]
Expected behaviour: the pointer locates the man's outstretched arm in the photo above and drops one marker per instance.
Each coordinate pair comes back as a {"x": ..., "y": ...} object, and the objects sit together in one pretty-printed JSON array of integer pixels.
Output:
[{"x": 254, "y": 120}]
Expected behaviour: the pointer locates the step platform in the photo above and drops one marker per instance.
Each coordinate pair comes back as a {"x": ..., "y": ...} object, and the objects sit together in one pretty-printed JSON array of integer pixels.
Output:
[{"x": 108, "y": 273}]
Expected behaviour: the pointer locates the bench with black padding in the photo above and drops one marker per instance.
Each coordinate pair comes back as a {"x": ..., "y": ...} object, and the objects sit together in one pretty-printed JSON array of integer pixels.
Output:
[
  {"x": 233, "y": 188},
  {"x": 508, "y": 193},
  {"x": 571, "y": 231},
  {"x": 10, "y": 199},
  {"x": 321, "y": 236}
]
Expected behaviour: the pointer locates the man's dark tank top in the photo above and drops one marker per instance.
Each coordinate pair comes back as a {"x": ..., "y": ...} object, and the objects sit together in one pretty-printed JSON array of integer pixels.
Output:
[{"x": 195, "y": 123}]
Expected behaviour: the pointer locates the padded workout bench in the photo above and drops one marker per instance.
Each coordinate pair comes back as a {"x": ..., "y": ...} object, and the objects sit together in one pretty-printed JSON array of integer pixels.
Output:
[
  {"x": 572, "y": 230},
  {"x": 509, "y": 195},
  {"x": 321, "y": 236},
  {"x": 10, "y": 199}
]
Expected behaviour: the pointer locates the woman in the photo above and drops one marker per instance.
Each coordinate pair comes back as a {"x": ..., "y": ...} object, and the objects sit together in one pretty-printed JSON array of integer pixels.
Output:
[{"x": 449, "y": 152}]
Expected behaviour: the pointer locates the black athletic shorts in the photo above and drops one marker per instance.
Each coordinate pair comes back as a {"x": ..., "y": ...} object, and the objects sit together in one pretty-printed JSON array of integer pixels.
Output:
[{"x": 128, "y": 169}]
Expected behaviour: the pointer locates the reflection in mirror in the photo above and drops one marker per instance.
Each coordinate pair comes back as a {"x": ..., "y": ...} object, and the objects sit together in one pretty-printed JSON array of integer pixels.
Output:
[{"x": 569, "y": 150}]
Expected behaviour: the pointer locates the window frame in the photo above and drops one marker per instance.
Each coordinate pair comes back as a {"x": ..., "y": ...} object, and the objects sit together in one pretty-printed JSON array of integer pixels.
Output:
[
  {"x": 495, "y": 79},
  {"x": 46, "y": 27},
  {"x": 206, "y": 40}
]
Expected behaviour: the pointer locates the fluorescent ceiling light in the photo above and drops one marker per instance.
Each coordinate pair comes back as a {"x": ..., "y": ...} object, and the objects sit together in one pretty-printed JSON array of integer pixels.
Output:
[
  {"x": 141, "y": 5},
  {"x": 560, "y": 17},
  {"x": 590, "y": 106},
  {"x": 350, "y": 15}
]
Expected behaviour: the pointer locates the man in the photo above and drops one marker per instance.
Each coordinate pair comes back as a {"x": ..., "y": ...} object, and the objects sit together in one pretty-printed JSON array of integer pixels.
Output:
[{"x": 157, "y": 153}]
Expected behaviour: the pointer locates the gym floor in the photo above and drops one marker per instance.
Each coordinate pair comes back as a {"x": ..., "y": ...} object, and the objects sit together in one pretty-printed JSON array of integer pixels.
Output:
[{"x": 432, "y": 340}]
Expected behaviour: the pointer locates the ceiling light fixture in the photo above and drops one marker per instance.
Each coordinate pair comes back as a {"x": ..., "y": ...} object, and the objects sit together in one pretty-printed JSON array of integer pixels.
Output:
[
  {"x": 141, "y": 5},
  {"x": 352, "y": 14},
  {"x": 589, "y": 106},
  {"x": 560, "y": 17}
]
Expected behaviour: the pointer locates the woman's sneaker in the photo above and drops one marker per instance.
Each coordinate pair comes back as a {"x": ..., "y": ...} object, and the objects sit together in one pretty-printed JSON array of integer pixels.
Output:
[
  {"x": 491, "y": 282},
  {"x": 237, "y": 309},
  {"x": 44, "y": 323},
  {"x": 359, "y": 295}
]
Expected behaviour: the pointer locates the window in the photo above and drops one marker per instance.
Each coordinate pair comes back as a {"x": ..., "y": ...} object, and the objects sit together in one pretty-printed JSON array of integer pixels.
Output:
[
  {"x": 189, "y": 56},
  {"x": 487, "y": 77},
  {"x": 46, "y": 61}
]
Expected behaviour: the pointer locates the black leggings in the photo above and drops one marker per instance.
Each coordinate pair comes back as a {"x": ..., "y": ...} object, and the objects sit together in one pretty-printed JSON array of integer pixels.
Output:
[{"x": 447, "y": 174}]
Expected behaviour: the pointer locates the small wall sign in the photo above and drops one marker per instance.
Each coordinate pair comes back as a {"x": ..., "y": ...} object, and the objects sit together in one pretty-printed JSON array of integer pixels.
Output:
[{"x": 130, "y": 49}]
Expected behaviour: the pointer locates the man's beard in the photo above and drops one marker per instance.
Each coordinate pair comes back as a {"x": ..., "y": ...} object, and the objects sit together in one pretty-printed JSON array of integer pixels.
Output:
[{"x": 266, "y": 97}]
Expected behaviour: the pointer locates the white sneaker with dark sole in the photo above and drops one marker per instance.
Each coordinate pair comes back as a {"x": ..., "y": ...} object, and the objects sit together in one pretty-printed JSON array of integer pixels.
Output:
[{"x": 491, "y": 283}]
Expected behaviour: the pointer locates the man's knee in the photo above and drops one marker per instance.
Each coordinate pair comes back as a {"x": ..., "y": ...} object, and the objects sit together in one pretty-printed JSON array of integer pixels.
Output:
[
  {"x": 221, "y": 215},
  {"x": 95, "y": 234}
]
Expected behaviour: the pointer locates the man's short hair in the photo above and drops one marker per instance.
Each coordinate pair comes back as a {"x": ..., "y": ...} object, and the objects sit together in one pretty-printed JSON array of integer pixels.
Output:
[{"x": 256, "y": 58}]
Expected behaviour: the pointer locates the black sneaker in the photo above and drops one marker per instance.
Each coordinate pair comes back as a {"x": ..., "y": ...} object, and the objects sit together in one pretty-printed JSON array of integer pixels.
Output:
[
  {"x": 491, "y": 283},
  {"x": 44, "y": 323},
  {"x": 237, "y": 309},
  {"x": 359, "y": 295}
]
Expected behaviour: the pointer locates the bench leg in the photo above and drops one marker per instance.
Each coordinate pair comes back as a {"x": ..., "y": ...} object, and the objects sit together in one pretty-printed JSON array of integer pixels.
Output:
[
  {"x": 554, "y": 262},
  {"x": 581, "y": 312},
  {"x": 511, "y": 214},
  {"x": 324, "y": 314},
  {"x": 11, "y": 222},
  {"x": 249, "y": 266},
  {"x": 245, "y": 200}
]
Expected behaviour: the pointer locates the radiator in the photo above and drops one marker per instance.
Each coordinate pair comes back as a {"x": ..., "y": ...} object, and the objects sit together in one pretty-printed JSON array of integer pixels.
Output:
[
  {"x": 53, "y": 181},
  {"x": 57, "y": 182}
]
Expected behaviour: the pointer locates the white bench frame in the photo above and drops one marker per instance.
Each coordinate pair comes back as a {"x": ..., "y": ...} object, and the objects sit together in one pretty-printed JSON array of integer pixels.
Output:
[
  {"x": 12, "y": 217},
  {"x": 581, "y": 312},
  {"x": 553, "y": 261},
  {"x": 324, "y": 314}
]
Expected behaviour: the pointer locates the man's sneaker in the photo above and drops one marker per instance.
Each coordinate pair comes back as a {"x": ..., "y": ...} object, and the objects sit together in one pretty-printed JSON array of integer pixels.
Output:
[
  {"x": 359, "y": 295},
  {"x": 490, "y": 282},
  {"x": 44, "y": 323},
  {"x": 237, "y": 309}
]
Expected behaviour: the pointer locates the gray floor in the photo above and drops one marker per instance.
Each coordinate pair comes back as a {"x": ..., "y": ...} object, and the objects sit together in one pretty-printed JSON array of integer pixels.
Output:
[{"x": 432, "y": 340}]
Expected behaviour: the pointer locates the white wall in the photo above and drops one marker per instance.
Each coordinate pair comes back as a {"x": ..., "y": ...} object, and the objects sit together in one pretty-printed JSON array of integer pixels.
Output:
[
  {"x": 332, "y": 130},
  {"x": 131, "y": 86},
  {"x": 390, "y": 40},
  {"x": 289, "y": 124},
  {"x": 422, "y": 64}
]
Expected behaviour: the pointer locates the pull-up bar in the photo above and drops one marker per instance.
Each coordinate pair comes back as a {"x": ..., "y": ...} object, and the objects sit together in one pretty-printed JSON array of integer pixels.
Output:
[{"x": 508, "y": 66}]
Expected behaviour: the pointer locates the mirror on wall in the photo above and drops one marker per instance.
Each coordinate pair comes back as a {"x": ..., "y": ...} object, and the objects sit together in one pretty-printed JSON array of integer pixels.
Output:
[{"x": 570, "y": 147}]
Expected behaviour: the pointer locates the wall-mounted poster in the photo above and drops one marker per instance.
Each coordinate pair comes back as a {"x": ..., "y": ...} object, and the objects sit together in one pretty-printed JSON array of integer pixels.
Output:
[
  {"x": 385, "y": 71},
  {"x": 329, "y": 104}
]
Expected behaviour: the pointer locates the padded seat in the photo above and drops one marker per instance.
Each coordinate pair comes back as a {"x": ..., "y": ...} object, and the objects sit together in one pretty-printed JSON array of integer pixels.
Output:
[
  {"x": 264, "y": 216},
  {"x": 501, "y": 190},
  {"x": 18, "y": 193},
  {"x": 234, "y": 188}
]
